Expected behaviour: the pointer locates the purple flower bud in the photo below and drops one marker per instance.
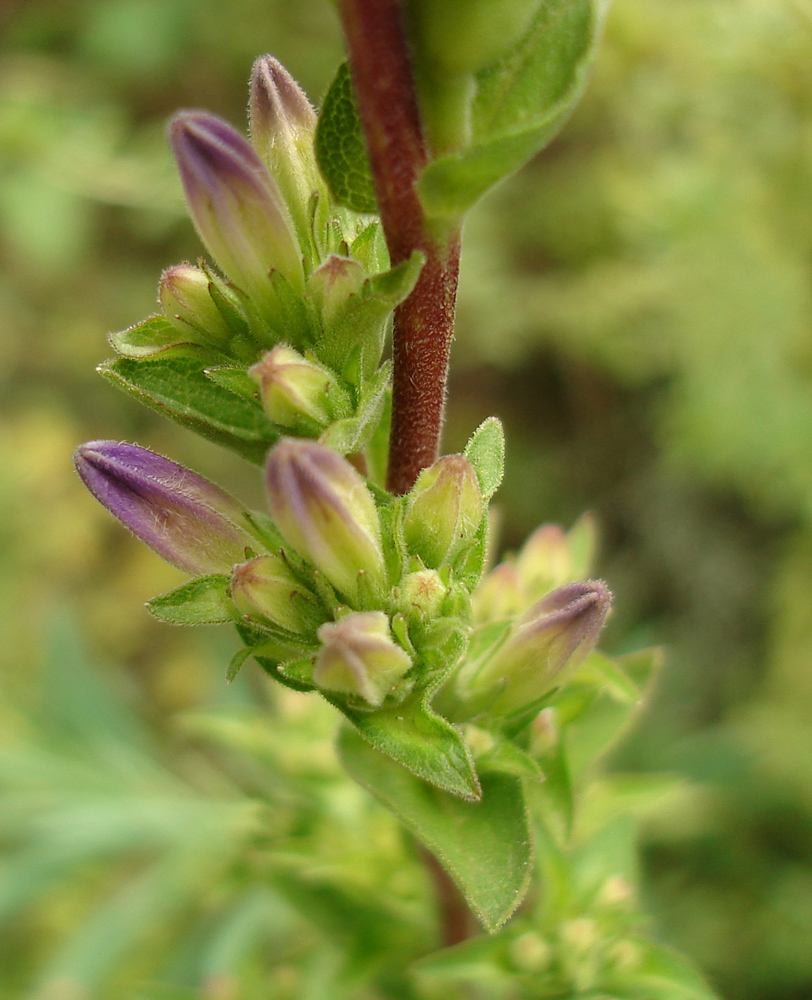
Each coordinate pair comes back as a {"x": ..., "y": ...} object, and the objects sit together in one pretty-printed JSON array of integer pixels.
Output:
[
  {"x": 297, "y": 393},
  {"x": 443, "y": 510},
  {"x": 360, "y": 658},
  {"x": 559, "y": 631},
  {"x": 323, "y": 509},
  {"x": 235, "y": 204},
  {"x": 283, "y": 125},
  {"x": 183, "y": 292},
  {"x": 188, "y": 520},
  {"x": 544, "y": 562}
]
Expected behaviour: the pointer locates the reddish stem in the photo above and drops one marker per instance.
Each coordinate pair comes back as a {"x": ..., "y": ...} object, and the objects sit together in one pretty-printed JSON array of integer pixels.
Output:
[{"x": 424, "y": 324}]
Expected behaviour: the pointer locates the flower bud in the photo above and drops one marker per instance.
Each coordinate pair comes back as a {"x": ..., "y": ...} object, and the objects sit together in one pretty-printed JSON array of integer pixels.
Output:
[
  {"x": 443, "y": 511},
  {"x": 236, "y": 206},
  {"x": 323, "y": 509},
  {"x": 544, "y": 562},
  {"x": 283, "y": 125},
  {"x": 359, "y": 657},
  {"x": 188, "y": 520},
  {"x": 298, "y": 394},
  {"x": 422, "y": 592},
  {"x": 264, "y": 588},
  {"x": 558, "y": 631},
  {"x": 183, "y": 292},
  {"x": 333, "y": 284},
  {"x": 498, "y": 595}
]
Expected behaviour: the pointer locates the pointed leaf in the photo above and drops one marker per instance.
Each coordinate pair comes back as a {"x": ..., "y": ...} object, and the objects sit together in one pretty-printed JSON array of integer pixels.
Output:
[
  {"x": 151, "y": 336},
  {"x": 204, "y": 601},
  {"x": 422, "y": 742},
  {"x": 485, "y": 846},
  {"x": 486, "y": 452},
  {"x": 175, "y": 384},
  {"x": 340, "y": 148}
]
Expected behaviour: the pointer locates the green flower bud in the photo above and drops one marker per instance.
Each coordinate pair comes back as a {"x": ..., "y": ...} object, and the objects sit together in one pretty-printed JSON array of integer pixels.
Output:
[
  {"x": 530, "y": 953},
  {"x": 422, "y": 593},
  {"x": 557, "y": 632},
  {"x": 283, "y": 125},
  {"x": 264, "y": 588},
  {"x": 359, "y": 657},
  {"x": 443, "y": 510},
  {"x": 298, "y": 394},
  {"x": 333, "y": 284},
  {"x": 323, "y": 509},
  {"x": 183, "y": 292},
  {"x": 544, "y": 562},
  {"x": 498, "y": 595}
]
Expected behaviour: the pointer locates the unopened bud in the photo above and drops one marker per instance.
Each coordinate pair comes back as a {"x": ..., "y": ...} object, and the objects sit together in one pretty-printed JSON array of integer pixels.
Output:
[
  {"x": 530, "y": 953},
  {"x": 498, "y": 595},
  {"x": 544, "y": 562},
  {"x": 559, "y": 631},
  {"x": 359, "y": 657},
  {"x": 422, "y": 592},
  {"x": 443, "y": 510},
  {"x": 235, "y": 204},
  {"x": 264, "y": 588},
  {"x": 283, "y": 125},
  {"x": 188, "y": 520},
  {"x": 323, "y": 509},
  {"x": 299, "y": 394},
  {"x": 333, "y": 284},
  {"x": 183, "y": 292}
]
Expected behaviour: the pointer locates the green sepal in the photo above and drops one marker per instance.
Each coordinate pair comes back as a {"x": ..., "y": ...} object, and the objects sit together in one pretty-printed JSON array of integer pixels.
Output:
[
  {"x": 351, "y": 434},
  {"x": 507, "y": 758},
  {"x": 486, "y": 453},
  {"x": 520, "y": 104},
  {"x": 484, "y": 845},
  {"x": 340, "y": 148},
  {"x": 470, "y": 564},
  {"x": 363, "y": 320},
  {"x": 425, "y": 744},
  {"x": 292, "y": 323},
  {"x": 369, "y": 248},
  {"x": 175, "y": 384},
  {"x": 236, "y": 380},
  {"x": 236, "y": 662},
  {"x": 202, "y": 601},
  {"x": 152, "y": 336}
]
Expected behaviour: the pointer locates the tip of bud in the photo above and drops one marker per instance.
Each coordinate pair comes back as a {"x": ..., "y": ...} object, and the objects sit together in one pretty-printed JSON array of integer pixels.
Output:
[{"x": 276, "y": 99}]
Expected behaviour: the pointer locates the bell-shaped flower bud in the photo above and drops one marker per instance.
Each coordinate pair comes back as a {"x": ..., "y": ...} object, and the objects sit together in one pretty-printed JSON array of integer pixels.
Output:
[
  {"x": 236, "y": 206},
  {"x": 183, "y": 292},
  {"x": 557, "y": 632},
  {"x": 265, "y": 589},
  {"x": 188, "y": 520},
  {"x": 544, "y": 562},
  {"x": 333, "y": 284},
  {"x": 360, "y": 658},
  {"x": 422, "y": 593},
  {"x": 324, "y": 510},
  {"x": 299, "y": 394},
  {"x": 498, "y": 595},
  {"x": 443, "y": 510},
  {"x": 283, "y": 125}
]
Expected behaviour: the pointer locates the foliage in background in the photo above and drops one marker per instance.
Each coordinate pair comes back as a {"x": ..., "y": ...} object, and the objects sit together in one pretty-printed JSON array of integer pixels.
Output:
[{"x": 655, "y": 342}]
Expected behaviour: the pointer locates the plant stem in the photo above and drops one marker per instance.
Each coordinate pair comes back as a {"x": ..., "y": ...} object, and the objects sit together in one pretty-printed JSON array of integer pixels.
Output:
[{"x": 424, "y": 323}]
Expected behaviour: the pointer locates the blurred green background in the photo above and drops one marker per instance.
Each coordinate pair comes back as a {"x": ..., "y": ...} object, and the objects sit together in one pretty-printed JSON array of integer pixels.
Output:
[{"x": 637, "y": 307}]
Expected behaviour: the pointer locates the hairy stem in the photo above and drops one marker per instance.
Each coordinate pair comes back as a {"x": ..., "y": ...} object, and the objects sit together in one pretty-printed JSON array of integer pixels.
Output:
[{"x": 424, "y": 324}]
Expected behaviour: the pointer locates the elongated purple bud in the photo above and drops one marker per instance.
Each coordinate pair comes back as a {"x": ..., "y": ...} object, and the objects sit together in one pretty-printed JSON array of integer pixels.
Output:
[
  {"x": 323, "y": 509},
  {"x": 558, "y": 632},
  {"x": 183, "y": 517},
  {"x": 235, "y": 204}
]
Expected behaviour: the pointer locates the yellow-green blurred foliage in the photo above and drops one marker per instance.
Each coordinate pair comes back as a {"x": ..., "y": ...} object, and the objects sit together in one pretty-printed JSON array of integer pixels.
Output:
[{"x": 636, "y": 305}]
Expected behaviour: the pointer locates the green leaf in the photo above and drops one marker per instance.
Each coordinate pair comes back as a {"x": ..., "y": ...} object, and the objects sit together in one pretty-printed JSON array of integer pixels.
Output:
[
  {"x": 151, "y": 336},
  {"x": 236, "y": 380},
  {"x": 521, "y": 103},
  {"x": 485, "y": 846},
  {"x": 175, "y": 384},
  {"x": 428, "y": 746},
  {"x": 204, "y": 601},
  {"x": 486, "y": 452},
  {"x": 665, "y": 975},
  {"x": 340, "y": 148}
]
